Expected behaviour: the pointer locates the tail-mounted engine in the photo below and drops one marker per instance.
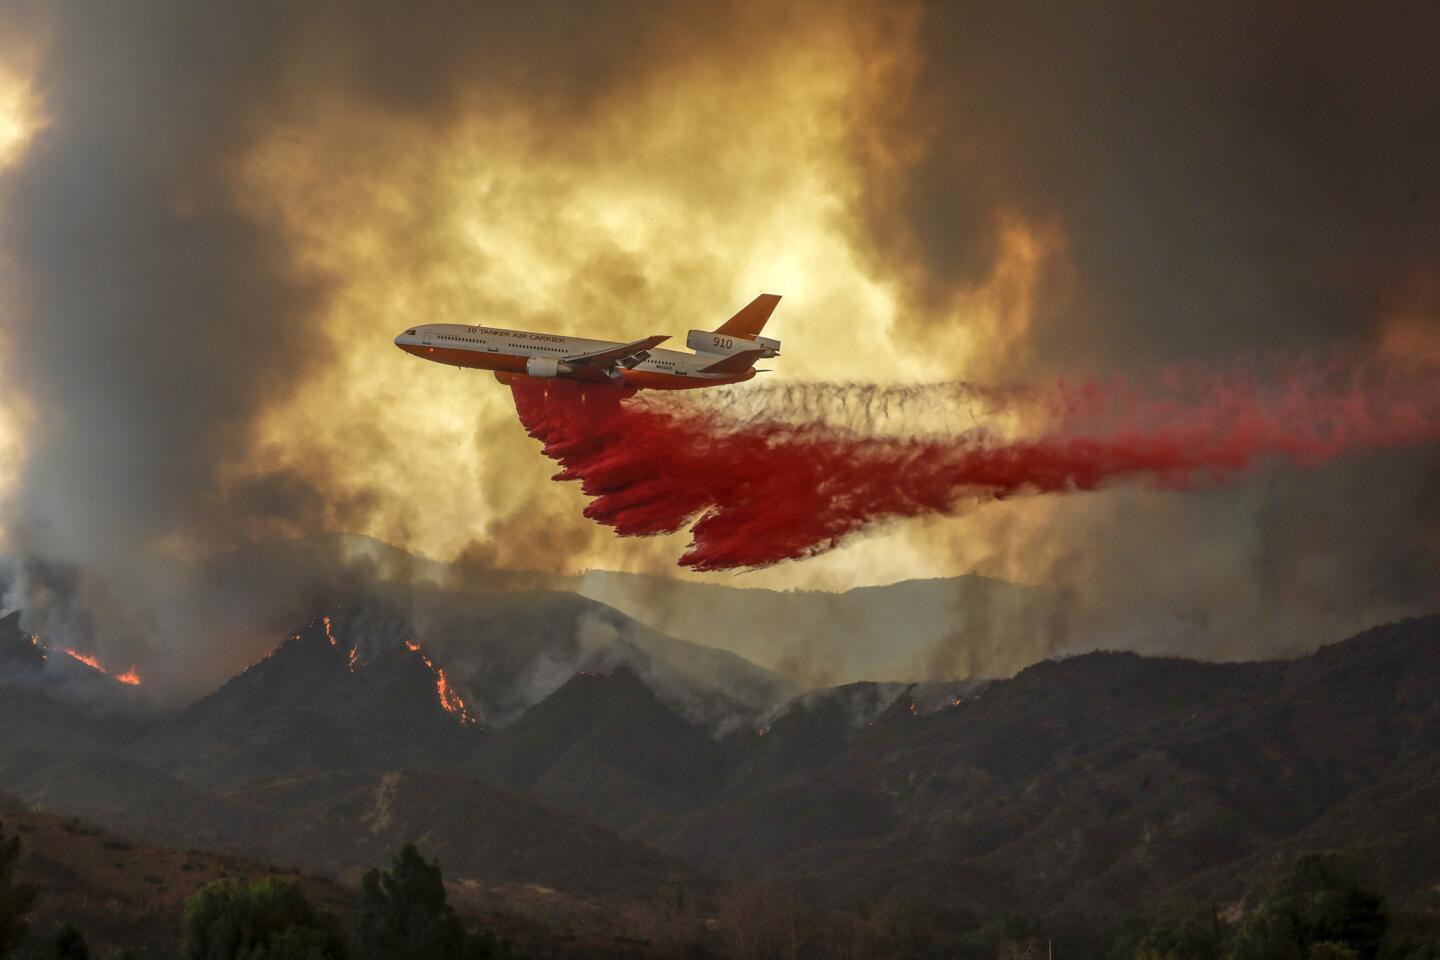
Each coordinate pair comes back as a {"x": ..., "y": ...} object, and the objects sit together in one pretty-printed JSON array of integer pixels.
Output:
[{"x": 706, "y": 341}]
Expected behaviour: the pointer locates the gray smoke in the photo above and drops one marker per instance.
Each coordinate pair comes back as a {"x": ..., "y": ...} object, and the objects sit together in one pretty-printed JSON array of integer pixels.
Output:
[
  {"x": 1229, "y": 179},
  {"x": 157, "y": 320}
]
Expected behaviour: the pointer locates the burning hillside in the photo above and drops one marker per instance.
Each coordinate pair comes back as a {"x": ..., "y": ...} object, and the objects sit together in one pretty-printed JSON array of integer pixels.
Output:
[
  {"x": 129, "y": 677},
  {"x": 449, "y": 699},
  {"x": 329, "y": 697},
  {"x": 29, "y": 653}
]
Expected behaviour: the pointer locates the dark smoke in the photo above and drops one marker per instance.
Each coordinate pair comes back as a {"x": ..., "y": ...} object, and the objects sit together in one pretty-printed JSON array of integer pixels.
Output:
[
  {"x": 1228, "y": 177},
  {"x": 157, "y": 319},
  {"x": 759, "y": 491},
  {"x": 1225, "y": 178}
]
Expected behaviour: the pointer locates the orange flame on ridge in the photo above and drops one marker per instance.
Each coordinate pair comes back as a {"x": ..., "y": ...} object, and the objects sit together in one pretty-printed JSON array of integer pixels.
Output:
[
  {"x": 130, "y": 678},
  {"x": 450, "y": 700},
  {"x": 86, "y": 659}
]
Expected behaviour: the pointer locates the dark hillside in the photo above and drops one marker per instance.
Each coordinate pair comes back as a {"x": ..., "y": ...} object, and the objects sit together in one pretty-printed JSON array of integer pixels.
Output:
[
  {"x": 604, "y": 747},
  {"x": 1090, "y": 783},
  {"x": 1084, "y": 787},
  {"x": 317, "y": 703}
]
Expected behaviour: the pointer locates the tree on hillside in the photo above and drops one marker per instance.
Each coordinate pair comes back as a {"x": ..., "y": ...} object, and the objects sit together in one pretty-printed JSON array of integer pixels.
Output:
[
  {"x": 1319, "y": 910},
  {"x": 70, "y": 944},
  {"x": 16, "y": 898},
  {"x": 406, "y": 915},
  {"x": 261, "y": 920},
  {"x": 1330, "y": 950},
  {"x": 1414, "y": 933},
  {"x": 1192, "y": 936}
]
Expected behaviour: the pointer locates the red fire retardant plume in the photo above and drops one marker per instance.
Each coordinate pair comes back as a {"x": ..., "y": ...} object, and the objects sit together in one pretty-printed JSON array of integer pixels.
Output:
[{"x": 758, "y": 491}]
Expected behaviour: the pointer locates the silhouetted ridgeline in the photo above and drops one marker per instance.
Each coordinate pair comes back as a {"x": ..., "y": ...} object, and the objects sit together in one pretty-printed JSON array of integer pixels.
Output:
[{"x": 1088, "y": 787}]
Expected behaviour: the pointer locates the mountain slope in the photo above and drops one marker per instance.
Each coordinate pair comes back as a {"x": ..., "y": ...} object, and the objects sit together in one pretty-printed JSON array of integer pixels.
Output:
[
  {"x": 1086, "y": 783},
  {"x": 510, "y": 639},
  {"x": 897, "y": 632},
  {"x": 604, "y": 747},
  {"x": 317, "y": 703},
  {"x": 344, "y": 820}
]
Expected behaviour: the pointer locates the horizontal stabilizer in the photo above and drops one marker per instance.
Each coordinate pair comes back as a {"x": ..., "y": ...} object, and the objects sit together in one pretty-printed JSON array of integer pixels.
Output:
[
  {"x": 751, "y": 318},
  {"x": 735, "y": 363}
]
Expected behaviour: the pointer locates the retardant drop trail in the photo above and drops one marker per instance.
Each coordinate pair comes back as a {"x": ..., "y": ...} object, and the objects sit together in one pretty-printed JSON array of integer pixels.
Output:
[{"x": 758, "y": 490}]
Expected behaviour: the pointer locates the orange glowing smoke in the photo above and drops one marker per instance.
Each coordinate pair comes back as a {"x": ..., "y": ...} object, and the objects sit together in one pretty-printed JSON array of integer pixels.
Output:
[{"x": 449, "y": 699}]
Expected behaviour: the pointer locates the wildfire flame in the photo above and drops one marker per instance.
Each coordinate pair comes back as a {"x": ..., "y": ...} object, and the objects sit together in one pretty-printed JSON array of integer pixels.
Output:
[
  {"x": 86, "y": 659},
  {"x": 354, "y": 659},
  {"x": 449, "y": 698},
  {"x": 130, "y": 677},
  {"x": 328, "y": 635},
  {"x": 267, "y": 656}
]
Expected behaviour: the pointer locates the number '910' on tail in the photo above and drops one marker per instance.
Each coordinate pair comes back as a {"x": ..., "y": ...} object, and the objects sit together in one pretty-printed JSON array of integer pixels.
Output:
[{"x": 737, "y": 342}]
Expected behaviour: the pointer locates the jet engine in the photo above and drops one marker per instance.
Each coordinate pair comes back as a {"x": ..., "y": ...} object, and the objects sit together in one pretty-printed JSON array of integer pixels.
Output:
[
  {"x": 707, "y": 341},
  {"x": 546, "y": 367}
]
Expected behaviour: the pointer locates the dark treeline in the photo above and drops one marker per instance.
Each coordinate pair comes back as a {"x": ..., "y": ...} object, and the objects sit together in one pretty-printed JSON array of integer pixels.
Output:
[
  {"x": 404, "y": 914},
  {"x": 1323, "y": 908}
]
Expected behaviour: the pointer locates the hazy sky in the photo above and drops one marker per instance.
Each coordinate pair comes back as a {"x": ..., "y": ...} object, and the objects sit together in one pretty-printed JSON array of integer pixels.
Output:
[{"x": 216, "y": 218}]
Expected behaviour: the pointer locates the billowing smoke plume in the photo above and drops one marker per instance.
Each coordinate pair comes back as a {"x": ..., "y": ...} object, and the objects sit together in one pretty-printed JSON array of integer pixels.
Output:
[
  {"x": 762, "y": 490},
  {"x": 156, "y": 317},
  {"x": 224, "y": 214}
]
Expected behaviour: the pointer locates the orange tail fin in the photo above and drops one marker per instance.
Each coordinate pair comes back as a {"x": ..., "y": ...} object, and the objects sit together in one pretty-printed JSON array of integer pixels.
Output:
[{"x": 751, "y": 318}]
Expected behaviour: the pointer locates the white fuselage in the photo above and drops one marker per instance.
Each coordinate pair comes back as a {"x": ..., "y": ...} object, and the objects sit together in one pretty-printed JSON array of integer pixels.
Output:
[{"x": 514, "y": 353}]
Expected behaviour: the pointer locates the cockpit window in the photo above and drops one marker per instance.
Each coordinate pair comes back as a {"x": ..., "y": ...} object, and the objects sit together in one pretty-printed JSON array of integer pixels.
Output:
[{"x": 409, "y": 333}]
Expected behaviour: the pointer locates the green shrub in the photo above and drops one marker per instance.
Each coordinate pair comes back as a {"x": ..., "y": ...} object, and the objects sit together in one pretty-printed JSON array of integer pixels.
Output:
[
  {"x": 264, "y": 920},
  {"x": 16, "y": 898}
]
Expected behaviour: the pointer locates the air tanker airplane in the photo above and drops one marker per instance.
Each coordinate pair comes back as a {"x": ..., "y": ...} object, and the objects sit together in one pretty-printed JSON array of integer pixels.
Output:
[{"x": 726, "y": 354}]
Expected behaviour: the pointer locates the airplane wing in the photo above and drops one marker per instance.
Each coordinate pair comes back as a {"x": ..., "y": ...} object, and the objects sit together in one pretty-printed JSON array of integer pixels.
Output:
[{"x": 624, "y": 354}]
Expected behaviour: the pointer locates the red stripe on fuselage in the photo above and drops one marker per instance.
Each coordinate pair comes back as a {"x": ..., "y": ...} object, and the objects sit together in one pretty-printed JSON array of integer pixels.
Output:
[{"x": 513, "y": 366}]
